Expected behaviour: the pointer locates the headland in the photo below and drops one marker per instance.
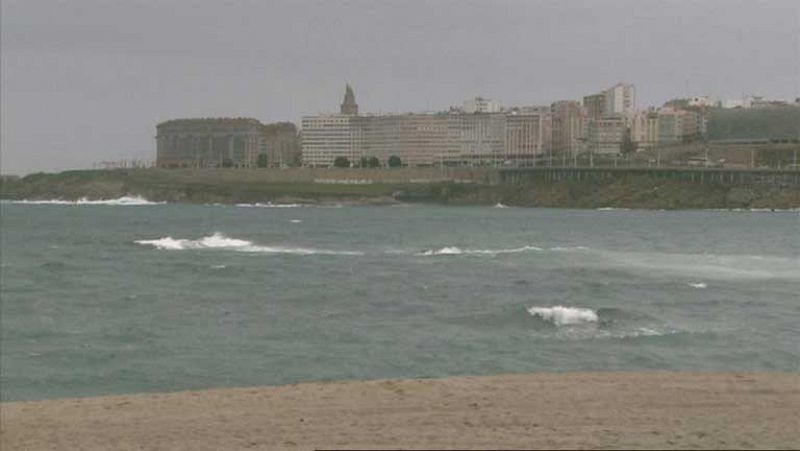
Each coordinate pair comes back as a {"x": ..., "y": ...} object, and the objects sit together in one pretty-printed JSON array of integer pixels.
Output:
[{"x": 642, "y": 188}]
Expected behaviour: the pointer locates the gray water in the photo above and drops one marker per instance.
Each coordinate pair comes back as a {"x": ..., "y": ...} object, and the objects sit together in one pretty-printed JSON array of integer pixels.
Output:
[{"x": 107, "y": 299}]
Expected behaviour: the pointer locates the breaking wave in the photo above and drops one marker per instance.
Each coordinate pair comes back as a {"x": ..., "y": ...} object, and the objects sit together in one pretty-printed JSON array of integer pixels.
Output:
[
  {"x": 697, "y": 285},
  {"x": 564, "y": 316},
  {"x": 270, "y": 205},
  {"x": 454, "y": 250},
  {"x": 219, "y": 241},
  {"x": 122, "y": 201}
]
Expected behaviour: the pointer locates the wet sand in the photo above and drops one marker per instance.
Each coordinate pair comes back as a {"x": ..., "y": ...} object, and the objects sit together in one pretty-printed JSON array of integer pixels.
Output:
[{"x": 572, "y": 410}]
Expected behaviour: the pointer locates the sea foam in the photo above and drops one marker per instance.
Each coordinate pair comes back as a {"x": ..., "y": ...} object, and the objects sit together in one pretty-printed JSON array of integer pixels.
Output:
[
  {"x": 453, "y": 250},
  {"x": 218, "y": 241},
  {"x": 564, "y": 316},
  {"x": 270, "y": 205},
  {"x": 122, "y": 201}
]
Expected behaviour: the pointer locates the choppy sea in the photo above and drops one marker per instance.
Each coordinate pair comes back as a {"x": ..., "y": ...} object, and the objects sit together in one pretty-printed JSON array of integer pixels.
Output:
[{"x": 127, "y": 296}]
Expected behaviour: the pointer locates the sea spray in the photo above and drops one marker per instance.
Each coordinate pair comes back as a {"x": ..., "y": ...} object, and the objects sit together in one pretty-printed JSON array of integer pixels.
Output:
[
  {"x": 218, "y": 241},
  {"x": 123, "y": 201},
  {"x": 564, "y": 316},
  {"x": 454, "y": 250}
]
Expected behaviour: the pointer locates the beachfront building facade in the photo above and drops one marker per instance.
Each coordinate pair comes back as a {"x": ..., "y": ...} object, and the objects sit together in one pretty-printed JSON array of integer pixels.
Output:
[
  {"x": 529, "y": 132},
  {"x": 327, "y": 137},
  {"x": 479, "y": 134},
  {"x": 570, "y": 123},
  {"x": 644, "y": 129},
  {"x": 224, "y": 142},
  {"x": 606, "y": 135},
  {"x": 620, "y": 100}
]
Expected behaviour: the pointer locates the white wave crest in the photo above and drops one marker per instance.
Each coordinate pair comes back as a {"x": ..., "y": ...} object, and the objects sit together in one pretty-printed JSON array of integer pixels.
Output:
[
  {"x": 499, "y": 205},
  {"x": 697, "y": 285},
  {"x": 453, "y": 250},
  {"x": 122, "y": 201},
  {"x": 219, "y": 241},
  {"x": 568, "y": 248},
  {"x": 564, "y": 316},
  {"x": 270, "y": 205}
]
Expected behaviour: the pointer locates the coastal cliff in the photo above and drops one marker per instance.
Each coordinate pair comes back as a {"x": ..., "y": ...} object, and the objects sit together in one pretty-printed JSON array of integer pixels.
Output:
[{"x": 236, "y": 186}]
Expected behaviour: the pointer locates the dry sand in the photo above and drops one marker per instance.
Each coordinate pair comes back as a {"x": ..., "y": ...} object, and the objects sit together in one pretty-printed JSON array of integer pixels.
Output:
[{"x": 575, "y": 410}]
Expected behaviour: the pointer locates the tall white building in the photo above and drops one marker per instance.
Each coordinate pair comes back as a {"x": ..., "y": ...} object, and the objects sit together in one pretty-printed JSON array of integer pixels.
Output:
[
  {"x": 620, "y": 100},
  {"x": 324, "y": 138}
]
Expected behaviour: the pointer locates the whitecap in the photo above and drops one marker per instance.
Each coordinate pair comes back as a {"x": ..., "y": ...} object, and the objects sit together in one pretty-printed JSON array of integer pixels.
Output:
[
  {"x": 612, "y": 209},
  {"x": 499, "y": 205},
  {"x": 564, "y": 316},
  {"x": 218, "y": 241},
  {"x": 122, "y": 201},
  {"x": 697, "y": 285},
  {"x": 568, "y": 248},
  {"x": 270, "y": 205},
  {"x": 453, "y": 250},
  {"x": 447, "y": 250},
  {"x": 295, "y": 221}
]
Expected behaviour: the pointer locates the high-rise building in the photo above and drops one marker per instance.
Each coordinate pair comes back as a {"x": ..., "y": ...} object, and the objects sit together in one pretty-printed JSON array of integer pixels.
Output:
[
  {"x": 670, "y": 125},
  {"x": 606, "y": 135},
  {"x": 644, "y": 128},
  {"x": 330, "y": 136},
  {"x": 595, "y": 105},
  {"x": 570, "y": 128},
  {"x": 620, "y": 99},
  {"x": 481, "y": 134}
]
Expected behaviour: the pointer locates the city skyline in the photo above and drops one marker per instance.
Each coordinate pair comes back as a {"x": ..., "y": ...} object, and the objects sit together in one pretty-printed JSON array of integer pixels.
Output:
[{"x": 84, "y": 82}]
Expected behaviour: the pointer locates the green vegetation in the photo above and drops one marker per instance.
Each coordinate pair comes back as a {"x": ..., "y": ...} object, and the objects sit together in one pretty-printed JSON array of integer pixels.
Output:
[
  {"x": 341, "y": 162},
  {"x": 370, "y": 162},
  {"x": 774, "y": 124},
  {"x": 262, "y": 161},
  {"x": 394, "y": 162},
  {"x": 250, "y": 186}
]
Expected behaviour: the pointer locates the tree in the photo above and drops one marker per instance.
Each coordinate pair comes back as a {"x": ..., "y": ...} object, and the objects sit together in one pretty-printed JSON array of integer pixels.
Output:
[
  {"x": 395, "y": 162},
  {"x": 227, "y": 163},
  {"x": 261, "y": 162},
  {"x": 373, "y": 162},
  {"x": 627, "y": 146},
  {"x": 341, "y": 162}
]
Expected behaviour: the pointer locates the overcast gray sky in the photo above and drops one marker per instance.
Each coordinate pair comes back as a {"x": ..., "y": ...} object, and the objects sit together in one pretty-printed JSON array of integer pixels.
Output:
[{"x": 87, "y": 80}]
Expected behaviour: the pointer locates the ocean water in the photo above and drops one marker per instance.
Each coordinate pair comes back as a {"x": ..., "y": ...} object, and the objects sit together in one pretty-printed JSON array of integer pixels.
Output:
[{"x": 127, "y": 296}]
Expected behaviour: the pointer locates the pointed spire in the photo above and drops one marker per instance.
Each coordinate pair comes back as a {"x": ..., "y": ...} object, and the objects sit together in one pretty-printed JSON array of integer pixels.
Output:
[{"x": 349, "y": 105}]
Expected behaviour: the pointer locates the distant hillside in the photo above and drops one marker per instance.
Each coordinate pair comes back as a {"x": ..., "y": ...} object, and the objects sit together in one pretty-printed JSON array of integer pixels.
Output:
[{"x": 774, "y": 123}]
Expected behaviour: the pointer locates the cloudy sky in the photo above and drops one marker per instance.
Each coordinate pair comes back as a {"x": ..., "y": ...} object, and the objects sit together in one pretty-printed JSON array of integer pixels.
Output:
[{"x": 87, "y": 80}]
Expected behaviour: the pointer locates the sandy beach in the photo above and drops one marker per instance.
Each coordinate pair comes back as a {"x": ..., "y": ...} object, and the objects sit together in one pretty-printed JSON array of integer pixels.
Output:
[{"x": 575, "y": 410}]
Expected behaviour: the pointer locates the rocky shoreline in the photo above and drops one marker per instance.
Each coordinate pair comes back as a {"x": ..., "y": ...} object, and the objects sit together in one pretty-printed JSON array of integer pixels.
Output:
[{"x": 634, "y": 192}]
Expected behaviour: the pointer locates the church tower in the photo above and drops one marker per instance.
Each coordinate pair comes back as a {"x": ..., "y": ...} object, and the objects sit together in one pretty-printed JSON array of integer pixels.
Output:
[{"x": 349, "y": 105}]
